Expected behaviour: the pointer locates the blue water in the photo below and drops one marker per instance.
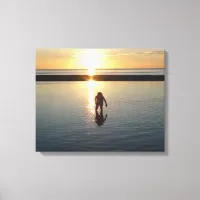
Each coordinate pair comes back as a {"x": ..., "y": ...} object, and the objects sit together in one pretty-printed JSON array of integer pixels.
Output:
[
  {"x": 103, "y": 72},
  {"x": 65, "y": 117}
]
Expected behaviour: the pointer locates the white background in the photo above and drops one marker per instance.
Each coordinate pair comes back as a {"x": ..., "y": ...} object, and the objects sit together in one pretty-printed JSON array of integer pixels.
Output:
[{"x": 167, "y": 24}]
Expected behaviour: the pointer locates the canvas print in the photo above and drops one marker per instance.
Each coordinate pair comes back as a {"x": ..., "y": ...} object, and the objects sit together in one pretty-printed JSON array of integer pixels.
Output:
[{"x": 100, "y": 100}]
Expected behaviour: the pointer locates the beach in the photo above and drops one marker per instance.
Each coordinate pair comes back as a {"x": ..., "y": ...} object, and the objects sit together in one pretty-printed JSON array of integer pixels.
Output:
[{"x": 65, "y": 116}]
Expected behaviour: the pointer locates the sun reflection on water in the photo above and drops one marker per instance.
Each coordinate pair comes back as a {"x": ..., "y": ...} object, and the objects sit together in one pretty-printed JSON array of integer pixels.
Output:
[{"x": 92, "y": 86}]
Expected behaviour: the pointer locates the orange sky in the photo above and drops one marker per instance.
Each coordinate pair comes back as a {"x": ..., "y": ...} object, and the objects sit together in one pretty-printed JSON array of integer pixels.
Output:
[{"x": 99, "y": 58}]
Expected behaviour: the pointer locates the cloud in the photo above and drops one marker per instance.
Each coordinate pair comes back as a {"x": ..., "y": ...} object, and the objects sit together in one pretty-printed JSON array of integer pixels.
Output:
[{"x": 135, "y": 53}]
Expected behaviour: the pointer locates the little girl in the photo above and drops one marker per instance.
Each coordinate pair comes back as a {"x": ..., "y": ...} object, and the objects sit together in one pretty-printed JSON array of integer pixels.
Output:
[{"x": 99, "y": 101}]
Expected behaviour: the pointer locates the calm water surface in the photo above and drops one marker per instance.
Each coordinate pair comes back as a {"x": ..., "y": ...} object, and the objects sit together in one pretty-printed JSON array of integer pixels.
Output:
[{"x": 65, "y": 117}]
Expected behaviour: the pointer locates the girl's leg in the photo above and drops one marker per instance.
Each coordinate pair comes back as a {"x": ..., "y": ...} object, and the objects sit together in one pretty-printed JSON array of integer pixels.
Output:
[
  {"x": 101, "y": 108},
  {"x": 96, "y": 107}
]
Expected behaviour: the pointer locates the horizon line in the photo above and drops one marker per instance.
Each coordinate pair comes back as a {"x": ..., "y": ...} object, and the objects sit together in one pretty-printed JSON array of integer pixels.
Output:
[{"x": 101, "y": 69}]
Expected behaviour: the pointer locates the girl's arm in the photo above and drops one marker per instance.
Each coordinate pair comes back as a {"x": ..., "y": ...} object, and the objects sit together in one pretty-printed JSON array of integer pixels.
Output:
[{"x": 105, "y": 101}]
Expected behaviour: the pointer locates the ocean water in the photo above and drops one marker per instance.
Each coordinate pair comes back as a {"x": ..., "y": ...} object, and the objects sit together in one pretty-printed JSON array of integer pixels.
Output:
[
  {"x": 65, "y": 116},
  {"x": 103, "y": 72}
]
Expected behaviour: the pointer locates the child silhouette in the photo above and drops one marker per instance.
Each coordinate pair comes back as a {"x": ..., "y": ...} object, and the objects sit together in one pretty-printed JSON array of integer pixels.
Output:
[{"x": 99, "y": 99}]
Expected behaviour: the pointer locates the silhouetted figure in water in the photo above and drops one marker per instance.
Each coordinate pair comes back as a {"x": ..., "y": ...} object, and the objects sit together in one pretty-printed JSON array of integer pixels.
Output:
[
  {"x": 100, "y": 119},
  {"x": 99, "y": 99}
]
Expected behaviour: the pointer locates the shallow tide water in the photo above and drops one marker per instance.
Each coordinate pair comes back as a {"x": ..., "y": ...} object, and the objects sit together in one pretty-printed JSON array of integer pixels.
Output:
[{"x": 65, "y": 116}]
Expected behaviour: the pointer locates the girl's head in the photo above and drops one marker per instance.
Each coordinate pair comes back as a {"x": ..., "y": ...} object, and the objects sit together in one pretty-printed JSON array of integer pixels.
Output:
[{"x": 99, "y": 94}]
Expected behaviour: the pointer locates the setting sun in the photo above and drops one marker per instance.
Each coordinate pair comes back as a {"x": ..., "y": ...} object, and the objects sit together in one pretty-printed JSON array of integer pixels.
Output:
[
  {"x": 91, "y": 59},
  {"x": 94, "y": 59}
]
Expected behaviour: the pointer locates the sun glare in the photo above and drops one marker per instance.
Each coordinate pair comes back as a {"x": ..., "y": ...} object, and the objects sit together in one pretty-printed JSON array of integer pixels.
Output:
[
  {"x": 91, "y": 59},
  {"x": 91, "y": 87}
]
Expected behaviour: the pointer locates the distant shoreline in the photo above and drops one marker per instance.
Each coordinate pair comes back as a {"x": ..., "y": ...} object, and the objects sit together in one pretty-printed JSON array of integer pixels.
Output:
[
  {"x": 100, "y": 69},
  {"x": 100, "y": 77}
]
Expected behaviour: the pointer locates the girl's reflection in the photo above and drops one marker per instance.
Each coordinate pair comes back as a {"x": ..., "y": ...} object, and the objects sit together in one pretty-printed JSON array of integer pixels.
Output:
[{"x": 99, "y": 118}]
